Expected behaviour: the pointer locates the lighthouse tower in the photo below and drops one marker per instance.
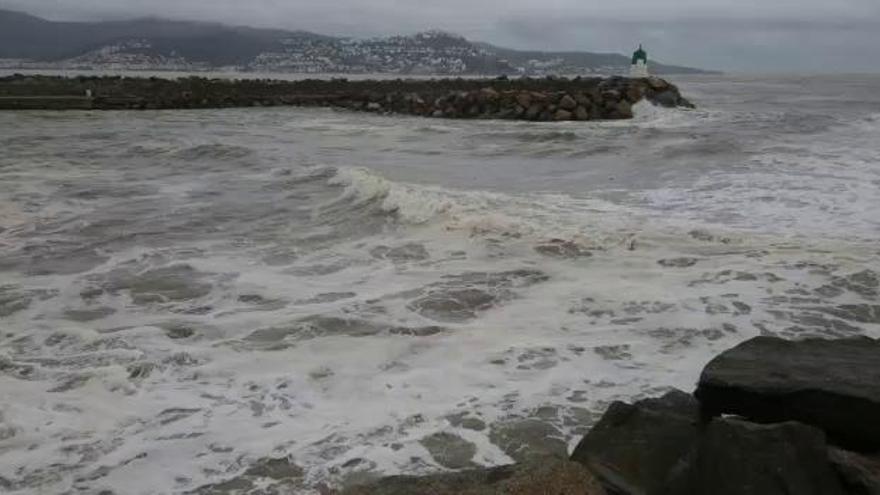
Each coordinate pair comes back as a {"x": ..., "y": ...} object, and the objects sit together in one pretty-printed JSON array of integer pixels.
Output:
[{"x": 639, "y": 66}]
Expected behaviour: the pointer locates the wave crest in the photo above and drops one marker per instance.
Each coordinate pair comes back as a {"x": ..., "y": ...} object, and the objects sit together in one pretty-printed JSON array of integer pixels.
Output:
[
  {"x": 409, "y": 203},
  {"x": 477, "y": 213}
]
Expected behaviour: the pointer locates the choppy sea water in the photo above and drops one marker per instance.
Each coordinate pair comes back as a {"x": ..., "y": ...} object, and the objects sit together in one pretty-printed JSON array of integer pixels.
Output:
[{"x": 275, "y": 299}]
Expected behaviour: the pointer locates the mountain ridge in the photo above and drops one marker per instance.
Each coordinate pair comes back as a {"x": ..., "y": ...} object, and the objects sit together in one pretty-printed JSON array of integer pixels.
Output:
[{"x": 27, "y": 41}]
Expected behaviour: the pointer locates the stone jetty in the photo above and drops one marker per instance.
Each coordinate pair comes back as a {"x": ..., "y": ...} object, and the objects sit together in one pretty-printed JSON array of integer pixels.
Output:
[
  {"x": 769, "y": 417},
  {"x": 546, "y": 99}
]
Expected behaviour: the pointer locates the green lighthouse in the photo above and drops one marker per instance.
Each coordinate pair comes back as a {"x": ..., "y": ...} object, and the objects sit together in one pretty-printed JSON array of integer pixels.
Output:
[{"x": 639, "y": 66}]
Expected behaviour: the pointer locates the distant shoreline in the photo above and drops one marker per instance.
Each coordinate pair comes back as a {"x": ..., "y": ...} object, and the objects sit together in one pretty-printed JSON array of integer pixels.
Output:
[
  {"x": 285, "y": 76},
  {"x": 236, "y": 75}
]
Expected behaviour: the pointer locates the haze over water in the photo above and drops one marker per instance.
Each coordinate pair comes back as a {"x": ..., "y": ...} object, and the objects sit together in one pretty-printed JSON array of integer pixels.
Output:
[{"x": 186, "y": 293}]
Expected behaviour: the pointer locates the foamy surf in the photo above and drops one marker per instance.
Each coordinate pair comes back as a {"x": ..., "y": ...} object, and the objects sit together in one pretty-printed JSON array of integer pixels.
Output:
[{"x": 202, "y": 315}]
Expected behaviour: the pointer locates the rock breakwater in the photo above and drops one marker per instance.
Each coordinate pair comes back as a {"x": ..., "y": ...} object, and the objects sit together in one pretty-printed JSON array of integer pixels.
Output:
[{"x": 548, "y": 99}]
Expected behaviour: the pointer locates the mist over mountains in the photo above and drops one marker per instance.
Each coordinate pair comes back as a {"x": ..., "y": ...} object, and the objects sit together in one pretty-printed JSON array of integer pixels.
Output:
[{"x": 157, "y": 44}]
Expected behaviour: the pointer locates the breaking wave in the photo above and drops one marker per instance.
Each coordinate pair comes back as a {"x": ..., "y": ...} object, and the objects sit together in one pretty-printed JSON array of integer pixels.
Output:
[
  {"x": 410, "y": 204},
  {"x": 589, "y": 222}
]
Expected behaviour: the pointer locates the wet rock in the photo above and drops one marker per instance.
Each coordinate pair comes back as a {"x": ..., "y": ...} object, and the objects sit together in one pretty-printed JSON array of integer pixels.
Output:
[
  {"x": 633, "y": 447},
  {"x": 534, "y": 111},
  {"x": 562, "y": 115},
  {"x": 610, "y": 96},
  {"x": 831, "y": 384},
  {"x": 568, "y": 103},
  {"x": 623, "y": 110},
  {"x": 736, "y": 457},
  {"x": 525, "y": 439},
  {"x": 860, "y": 474},
  {"x": 463, "y": 420},
  {"x": 449, "y": 450},
  {"x": 275, "y": 476},
  {"x": 658, "y": 83},
  {"x": 541, "y": 476},
  {"x": 635, "y": 93},
  {"x": 583, "y": 99},
  {"x": 275, "y": 469}
]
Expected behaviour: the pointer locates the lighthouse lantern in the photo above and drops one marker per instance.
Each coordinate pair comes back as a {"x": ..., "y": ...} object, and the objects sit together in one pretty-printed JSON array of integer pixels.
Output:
[{"x": 639, "y": 66}]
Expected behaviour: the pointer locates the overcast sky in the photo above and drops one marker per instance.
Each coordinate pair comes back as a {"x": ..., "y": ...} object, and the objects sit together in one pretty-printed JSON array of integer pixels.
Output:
[{"x": 736, "y": 35}]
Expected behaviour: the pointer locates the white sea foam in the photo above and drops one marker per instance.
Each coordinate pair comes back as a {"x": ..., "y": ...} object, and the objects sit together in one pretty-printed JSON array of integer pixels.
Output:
[
  {"x": 255, "y": 343},
  {"x": 647, "y": 114}
]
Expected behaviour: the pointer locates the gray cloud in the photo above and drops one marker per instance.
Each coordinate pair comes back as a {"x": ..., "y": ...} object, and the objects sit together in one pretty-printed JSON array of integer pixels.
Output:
[{"x": 749, "y": 35}]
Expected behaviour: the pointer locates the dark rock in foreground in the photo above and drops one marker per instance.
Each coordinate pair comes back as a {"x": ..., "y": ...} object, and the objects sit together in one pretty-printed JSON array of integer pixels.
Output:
[
  {"x": 526, "y": 439},
  {"x": 633, "y": 447},
  {"x": 860, "y": 474},
  {"x": 539, "y": 477},
  {"x": 670, "y": 446},
  {"x": 831, "y": 384},
  {"x": 278, "y": 475},
  {"x": 741, "y": 458},
  {"x": 550, "y": 99}
]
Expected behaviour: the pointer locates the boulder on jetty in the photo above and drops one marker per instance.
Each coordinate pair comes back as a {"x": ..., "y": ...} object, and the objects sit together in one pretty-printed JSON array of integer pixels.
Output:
[
  {"x": 634, "y": 447},
  {"x": 801, "y": 408},
  {"x": 736, "y": 457},
  {"x": 830, "y": 384},
  {"x": 860, "y": 474},
  {"x": 549, "y": 99},
  {"x": 791, "y": 402}
]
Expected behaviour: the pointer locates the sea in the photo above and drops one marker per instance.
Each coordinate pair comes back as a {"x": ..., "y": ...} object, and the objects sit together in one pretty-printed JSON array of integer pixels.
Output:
[{"x": 290, "y": 300}]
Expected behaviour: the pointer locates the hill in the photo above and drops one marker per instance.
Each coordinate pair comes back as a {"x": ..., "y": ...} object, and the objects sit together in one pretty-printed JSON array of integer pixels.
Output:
[{"x": 157, "y": 44}]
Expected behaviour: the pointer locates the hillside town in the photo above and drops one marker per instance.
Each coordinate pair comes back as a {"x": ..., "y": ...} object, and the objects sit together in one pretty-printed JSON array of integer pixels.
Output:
[{"x": 429, "y": 53}]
